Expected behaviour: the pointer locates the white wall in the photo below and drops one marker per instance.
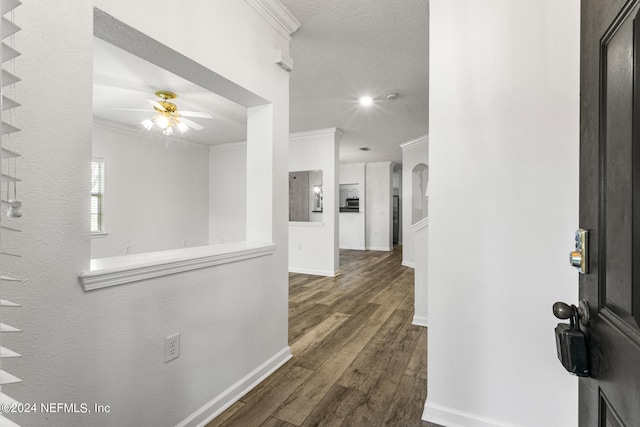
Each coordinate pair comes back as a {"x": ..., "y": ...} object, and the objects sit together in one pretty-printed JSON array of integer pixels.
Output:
[
  {"x": 378, "y": 206},
  {"x": 415, "y": 234},
  {"x": 421, "y": 273},
  {"x": 352, "y": 224},
  {"x": 107, "y": 346},
  {"x": 228, "y": 193},
  {"x": 413, "y": 152},
  {"x": 504, "y": 123},
  {"x": 313, "y": 246},
  {"x": 156, "y": 195}
]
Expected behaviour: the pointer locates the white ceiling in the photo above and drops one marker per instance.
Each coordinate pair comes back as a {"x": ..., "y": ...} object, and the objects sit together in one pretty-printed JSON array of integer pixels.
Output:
[
  {"x": 348, "y": 48},
  {"x": 343, "y": 50},
  {"x": 122, "y": 80}
]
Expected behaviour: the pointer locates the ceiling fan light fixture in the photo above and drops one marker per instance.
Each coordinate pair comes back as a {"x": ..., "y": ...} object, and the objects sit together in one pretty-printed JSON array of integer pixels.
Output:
[
  {"x": 162, "y": 121},
  {"x": 165, "y": 94},
  {"x": 182, "y": 127},
  {"x": 147, "y": 124},
  {"x": 167, "y": 116}
]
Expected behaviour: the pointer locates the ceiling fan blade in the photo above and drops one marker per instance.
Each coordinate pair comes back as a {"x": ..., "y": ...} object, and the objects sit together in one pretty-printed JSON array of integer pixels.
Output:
[
  {"x": 191, "y": 124},
  {"x": 157, "y": 105},
  {"x": 196, "y": 114},
  {"x": 128, "y": 109}
]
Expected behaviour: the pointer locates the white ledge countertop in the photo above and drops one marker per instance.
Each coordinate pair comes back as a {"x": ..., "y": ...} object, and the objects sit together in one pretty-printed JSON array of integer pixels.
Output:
[{"x": 130, "y": 268}]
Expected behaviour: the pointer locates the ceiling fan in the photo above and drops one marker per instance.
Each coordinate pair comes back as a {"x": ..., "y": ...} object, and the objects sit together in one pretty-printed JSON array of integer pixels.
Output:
[{"x": 167, "y": 116}]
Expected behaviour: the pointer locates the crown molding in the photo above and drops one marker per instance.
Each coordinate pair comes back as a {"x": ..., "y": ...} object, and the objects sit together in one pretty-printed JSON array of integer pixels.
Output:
[
  {"x": 277, "y": 15},
  {"x": 318, "y": 133},
  {"x": 386, "y": 163},
  {"x": 410, "y": 144},
  {"x": 229, "y": 145}
]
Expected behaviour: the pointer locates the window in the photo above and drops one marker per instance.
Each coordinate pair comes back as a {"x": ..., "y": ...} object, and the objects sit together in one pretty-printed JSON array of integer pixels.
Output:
[{"x": 97, "y": 196}]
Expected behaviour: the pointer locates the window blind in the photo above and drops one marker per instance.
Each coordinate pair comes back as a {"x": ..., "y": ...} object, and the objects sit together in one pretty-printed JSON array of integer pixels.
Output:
[
  {"x": 97, "y": 195},
  {"x": 11, "y": 205}
]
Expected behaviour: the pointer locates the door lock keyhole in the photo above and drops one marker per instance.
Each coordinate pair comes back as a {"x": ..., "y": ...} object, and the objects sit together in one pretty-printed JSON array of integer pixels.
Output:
[{"x": 579, "y": 258}]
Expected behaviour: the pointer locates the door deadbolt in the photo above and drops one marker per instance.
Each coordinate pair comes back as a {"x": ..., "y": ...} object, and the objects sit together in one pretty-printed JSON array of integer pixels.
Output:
[{"x": 579, "y": 258}]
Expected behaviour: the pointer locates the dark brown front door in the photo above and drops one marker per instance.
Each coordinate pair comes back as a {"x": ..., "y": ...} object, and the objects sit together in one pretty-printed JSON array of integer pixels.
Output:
[{"x": 610, "y": 208}]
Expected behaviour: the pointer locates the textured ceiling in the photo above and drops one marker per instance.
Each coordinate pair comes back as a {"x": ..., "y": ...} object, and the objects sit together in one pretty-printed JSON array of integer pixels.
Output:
[
  {"x": 343, "y": 50},
  {"x": 349, "y": 48}
]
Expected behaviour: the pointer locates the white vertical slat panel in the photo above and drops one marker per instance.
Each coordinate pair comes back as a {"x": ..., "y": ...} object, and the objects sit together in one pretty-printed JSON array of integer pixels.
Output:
[
  {"x": 8, "y": 154},
  {"x": 8, "y": 328},
  {"x": 8, "y": 78},
  {"x": 8, "y": 53},
  {"x": 6, "y": 422},
  {"x": 7, "y": 128},
  {"x": 8, "y": 103},
  {"x": 7, "y": 6},
  {"x": 6, "y": 353},
  {"x": 8, "y": 28},
  {"x": 7, "y": 399},
  {"x": 7, "y": 378},
  {"x": 7, "y": 303},
  {"x": 8, "y": 177}
]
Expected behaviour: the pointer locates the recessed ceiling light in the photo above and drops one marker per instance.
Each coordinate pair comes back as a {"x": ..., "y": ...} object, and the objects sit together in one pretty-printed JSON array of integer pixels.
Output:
[
  {"x": 392, "y": 96},
  {"x": 365, "y": 148},
  {"x": 366, "y": 100}
]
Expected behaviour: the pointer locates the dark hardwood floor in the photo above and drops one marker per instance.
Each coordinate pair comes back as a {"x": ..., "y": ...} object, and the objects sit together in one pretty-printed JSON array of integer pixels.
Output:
[{"x": 357, "y": 359}]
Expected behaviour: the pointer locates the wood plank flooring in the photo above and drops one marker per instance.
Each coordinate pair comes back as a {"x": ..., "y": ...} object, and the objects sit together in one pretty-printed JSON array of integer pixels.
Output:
[{"x": 357, "y": 359}]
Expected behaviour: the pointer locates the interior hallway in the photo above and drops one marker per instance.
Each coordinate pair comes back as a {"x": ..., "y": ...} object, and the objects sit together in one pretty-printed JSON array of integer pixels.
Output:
[{"x": 357, "y": 359}]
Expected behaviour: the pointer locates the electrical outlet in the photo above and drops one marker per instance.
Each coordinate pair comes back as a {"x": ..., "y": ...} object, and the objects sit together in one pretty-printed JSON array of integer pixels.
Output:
[{"x": 171, "y": 347}]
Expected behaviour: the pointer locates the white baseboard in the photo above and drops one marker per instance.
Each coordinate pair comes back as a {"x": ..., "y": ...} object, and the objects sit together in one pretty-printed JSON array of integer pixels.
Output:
[
  {"x": 220, "y": 403},
  {"x": 314, "y": 272},
  {"x": 420, "y": 321},
  {"x": 408, "y": 264},
  {"x": 450, "y": 417},
  {"x": 380, "y": 248},
  {"x": 353, "y": 248}
]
